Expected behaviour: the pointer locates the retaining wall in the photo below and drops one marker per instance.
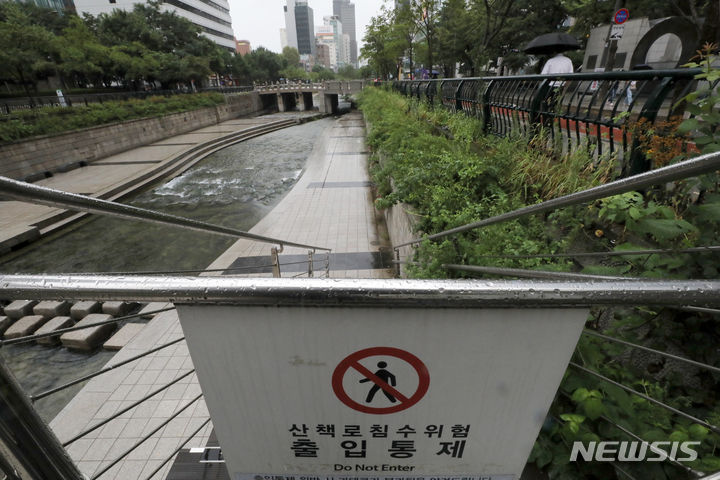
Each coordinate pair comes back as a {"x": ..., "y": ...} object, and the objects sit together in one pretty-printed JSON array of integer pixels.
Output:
[{"x": 35, "y": 158}]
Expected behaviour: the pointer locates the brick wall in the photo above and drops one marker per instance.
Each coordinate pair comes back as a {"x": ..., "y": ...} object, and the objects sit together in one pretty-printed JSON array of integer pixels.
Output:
[{"x": 31, "y": 158}]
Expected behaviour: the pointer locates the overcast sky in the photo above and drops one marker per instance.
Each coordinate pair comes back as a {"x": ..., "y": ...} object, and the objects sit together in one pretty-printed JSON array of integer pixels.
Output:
[{"x": 260, "y": 21}]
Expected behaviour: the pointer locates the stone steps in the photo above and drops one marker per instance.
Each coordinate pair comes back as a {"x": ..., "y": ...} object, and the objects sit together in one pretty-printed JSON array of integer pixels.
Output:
[{"x": 21, "y": 318}]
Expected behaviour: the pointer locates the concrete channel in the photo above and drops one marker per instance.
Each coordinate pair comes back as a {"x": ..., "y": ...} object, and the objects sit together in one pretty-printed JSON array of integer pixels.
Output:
[{"x": 331, "y": 204}]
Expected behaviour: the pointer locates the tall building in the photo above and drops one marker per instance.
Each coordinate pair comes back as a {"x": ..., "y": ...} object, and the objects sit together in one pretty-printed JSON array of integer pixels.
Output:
[
  {"x": 322, "y": 56},
  {"x": 283, "y": 38},
  {"x": 336, "y": 27},
  {"x": 290, "y": 29},
  {"x": 346, "y": 11},
  {"x": 305, "y": 28},
  {"x": 211, "y": 16},
  {"x": 60, "y": 6},
  {"x": 242, "y": 47}
]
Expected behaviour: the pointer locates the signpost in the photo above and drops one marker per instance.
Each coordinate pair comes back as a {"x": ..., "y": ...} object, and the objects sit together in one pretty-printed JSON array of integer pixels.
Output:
[
  {"x": 616, "y": 32},
  {"x": 378, "y": 391}
]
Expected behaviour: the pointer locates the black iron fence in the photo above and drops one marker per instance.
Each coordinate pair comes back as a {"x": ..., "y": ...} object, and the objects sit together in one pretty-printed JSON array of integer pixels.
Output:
[
  {"x": 603, "y": 112},
  {"x": 10, "y": 105}
]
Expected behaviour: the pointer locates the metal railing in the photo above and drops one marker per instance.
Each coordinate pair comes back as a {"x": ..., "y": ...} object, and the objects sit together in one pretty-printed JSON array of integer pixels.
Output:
[
  {"x": 704, "y": 164},
  {"x": 9, "y": 105},
  {"x": 55, "y": 198},
  {"x": 323, "y": 292},
  {"x": 602, "y": 112}
]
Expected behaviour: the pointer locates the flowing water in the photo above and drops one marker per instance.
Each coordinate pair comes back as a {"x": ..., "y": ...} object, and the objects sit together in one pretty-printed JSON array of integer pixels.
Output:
[{"x": 234, "y": 187}]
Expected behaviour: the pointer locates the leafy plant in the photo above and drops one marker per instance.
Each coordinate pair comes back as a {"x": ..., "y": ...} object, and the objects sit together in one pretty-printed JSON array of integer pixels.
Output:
[{"x": 704, "y": 103}]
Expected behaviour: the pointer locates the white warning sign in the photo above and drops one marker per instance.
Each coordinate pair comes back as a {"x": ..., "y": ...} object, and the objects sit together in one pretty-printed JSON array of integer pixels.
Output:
[{"x": 311, "y": 393}]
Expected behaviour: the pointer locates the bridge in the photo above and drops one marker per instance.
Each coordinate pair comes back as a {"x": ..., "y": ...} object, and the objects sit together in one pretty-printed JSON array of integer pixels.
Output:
[{"x": 289, "y": 96}]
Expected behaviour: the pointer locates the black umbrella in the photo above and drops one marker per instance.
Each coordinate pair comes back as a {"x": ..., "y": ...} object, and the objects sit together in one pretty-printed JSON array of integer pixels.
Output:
[{"x": 551, "y": 43}]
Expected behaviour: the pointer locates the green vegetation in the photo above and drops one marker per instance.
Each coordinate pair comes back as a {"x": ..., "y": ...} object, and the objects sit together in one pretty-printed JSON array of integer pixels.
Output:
[
  {"x": 145, "y": 47},
  {"x": 42, "y": 121},
  {"x": 475, "y": 33},
  {"x": 450, "y": 173}
]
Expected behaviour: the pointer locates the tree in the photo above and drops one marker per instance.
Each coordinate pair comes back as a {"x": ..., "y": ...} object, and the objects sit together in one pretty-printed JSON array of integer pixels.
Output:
[
  {"x": 291, "y": 56},
  {"x": 264, "y": 64},
  {"x": 379, "y": 47},
  {"x": 453, "y": 27},
  {"x": 26, "y": 49},
  {"x": 425, "y": 13},
  {"x": 83, "y": 59}
]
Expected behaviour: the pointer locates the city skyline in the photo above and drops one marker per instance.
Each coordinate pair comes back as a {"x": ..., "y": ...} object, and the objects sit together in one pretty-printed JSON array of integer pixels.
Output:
[{"x": 260, "y": 21}]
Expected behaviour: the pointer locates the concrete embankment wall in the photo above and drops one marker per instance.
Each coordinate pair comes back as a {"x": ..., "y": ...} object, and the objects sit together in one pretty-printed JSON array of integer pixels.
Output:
[
  {"x": 401, "y": 223},
  {"x": 33, "y": 158}
]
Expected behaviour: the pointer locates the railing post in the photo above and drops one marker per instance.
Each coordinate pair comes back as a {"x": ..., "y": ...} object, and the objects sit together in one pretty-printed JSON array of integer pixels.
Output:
[
  {"x": 639, "y": 163},
  {"x": 310, "y": 263},
  {"x": 458, "y": 100},
  {"x": 537, "y": 103},
  {"x": 487, "y": 111},
  {"x": 275, "y": 262},
  {"x": 29, "y": 449}
]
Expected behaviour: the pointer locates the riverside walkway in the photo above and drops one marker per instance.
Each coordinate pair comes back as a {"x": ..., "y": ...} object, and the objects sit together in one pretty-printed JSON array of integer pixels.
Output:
[{"x": 330, "y": 205}]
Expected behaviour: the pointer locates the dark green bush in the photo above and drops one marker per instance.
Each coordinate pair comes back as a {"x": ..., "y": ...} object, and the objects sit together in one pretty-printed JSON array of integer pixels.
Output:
[{"x": 43, "y": 121}]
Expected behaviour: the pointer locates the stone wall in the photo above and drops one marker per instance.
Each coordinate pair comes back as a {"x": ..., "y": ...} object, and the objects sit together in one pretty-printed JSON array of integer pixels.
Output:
[
  {"x": 401, "y": 223},
  {"x": 36, "y": 157}
]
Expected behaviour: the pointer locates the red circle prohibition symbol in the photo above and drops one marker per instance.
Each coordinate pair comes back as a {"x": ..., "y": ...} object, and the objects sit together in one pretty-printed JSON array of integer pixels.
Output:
[
  {"x": 621, "y": 16},
  {"x": 353, "y": 361}
]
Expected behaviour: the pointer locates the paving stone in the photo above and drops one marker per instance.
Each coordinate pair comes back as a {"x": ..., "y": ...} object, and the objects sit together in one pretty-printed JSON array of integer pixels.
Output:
[
  {"x": 123, "y": 336},
  {"x": 5, "y": 322},
  {"x": 89, "y": 338},
  {"x": 52, "y": 309},
  {"x": 25, "y": 326},
  {"x": 20, "y": 308},
  {"x": 118, "y": 309},
  {"x": 82, "y": 309},
  {"x": 53, "y": 324},
  {"x": 153, "y": 306}
]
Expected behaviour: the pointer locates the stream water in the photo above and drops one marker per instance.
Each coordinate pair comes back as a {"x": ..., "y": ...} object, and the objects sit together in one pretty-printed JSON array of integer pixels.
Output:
[{"x": 234, "y": 187}]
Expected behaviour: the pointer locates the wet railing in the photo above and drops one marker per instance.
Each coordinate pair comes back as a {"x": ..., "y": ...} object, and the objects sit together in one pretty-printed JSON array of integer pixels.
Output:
[
  {"x": 705, "y": 164},
  {"x": 9, "y": 105},
  {"x": 605, "y": 113}
]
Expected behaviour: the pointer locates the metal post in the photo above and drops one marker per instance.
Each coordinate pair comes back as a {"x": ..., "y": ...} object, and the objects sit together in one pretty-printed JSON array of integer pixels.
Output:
[
  {"x": 28, "y": 448},
  {"x": 275, "y": 262},
  {"x": 487, "y": 111},
  {"x": 310, "y": 263},
  {"x": 458, "y": 100}
]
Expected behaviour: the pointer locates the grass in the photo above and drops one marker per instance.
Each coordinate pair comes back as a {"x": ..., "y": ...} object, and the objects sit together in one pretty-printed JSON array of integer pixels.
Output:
[{"x": 52, "y": 120}]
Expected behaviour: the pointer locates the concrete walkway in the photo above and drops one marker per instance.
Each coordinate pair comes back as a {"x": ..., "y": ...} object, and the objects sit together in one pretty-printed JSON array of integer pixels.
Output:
[{"x": 330, "y": 206}]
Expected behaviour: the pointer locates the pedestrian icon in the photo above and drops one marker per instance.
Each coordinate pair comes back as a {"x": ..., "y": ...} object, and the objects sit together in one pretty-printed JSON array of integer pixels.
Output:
[
  {"x": 401, "y": 394},
  {"x": 386, "y": 377}
]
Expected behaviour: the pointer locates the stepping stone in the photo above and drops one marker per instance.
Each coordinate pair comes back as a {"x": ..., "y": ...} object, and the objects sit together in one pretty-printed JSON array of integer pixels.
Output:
[
  {"x": 153, "y": 306},
  {"x": 123, "y": 336},
  {"x": 25, "y": 326},
  {"x": 5, "y": 322},
  {"x": 82, "y": 309},
  {"x": 53, "y": 324},
  {"x": 20, "y": 308},
  {"x": 89, "y": 338},
  {"x": 52, "y": 309},
  {"x": 118, "y": 309}
]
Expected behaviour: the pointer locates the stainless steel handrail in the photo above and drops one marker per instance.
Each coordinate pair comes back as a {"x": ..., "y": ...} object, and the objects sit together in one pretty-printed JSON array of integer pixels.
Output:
[
  {"x": 364, "y": 292},
  {"x": 689, "y": 168},
  {"x": 30, "y": 193}
]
